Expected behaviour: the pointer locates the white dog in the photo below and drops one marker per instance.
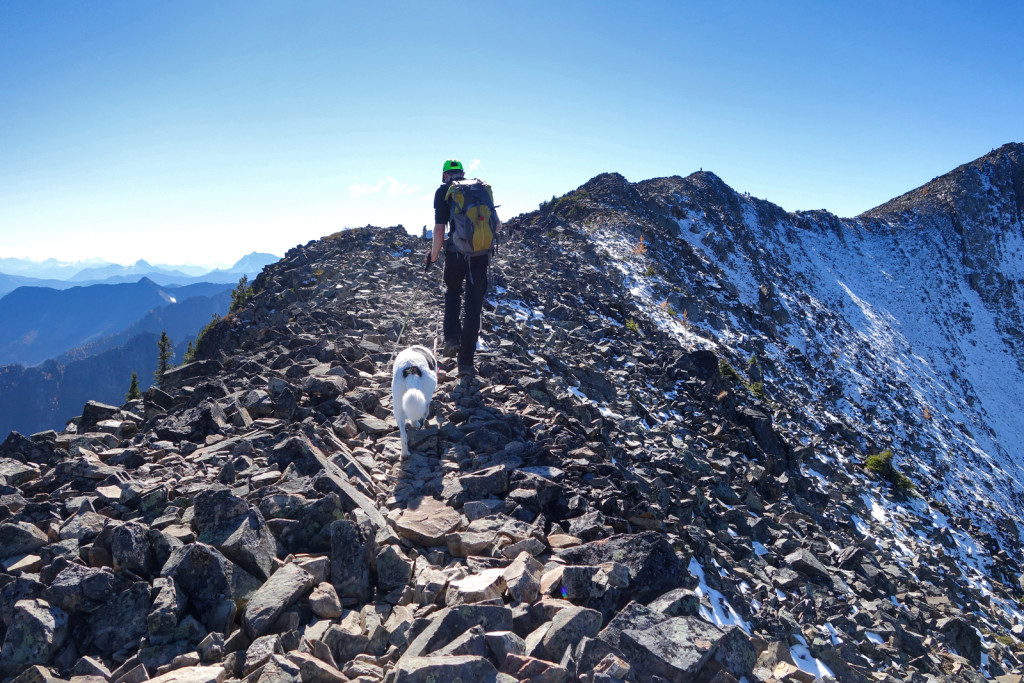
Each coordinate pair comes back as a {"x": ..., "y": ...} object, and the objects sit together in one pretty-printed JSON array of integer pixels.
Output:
[{"x": 412, "y": 388}]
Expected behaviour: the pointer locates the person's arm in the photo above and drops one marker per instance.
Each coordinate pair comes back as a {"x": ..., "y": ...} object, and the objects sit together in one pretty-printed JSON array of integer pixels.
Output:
[{"x": 435, "y": 247}]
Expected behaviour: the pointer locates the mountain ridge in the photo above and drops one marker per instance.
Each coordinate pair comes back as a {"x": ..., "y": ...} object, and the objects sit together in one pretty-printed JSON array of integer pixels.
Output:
[{"x": 661, "y": 473}]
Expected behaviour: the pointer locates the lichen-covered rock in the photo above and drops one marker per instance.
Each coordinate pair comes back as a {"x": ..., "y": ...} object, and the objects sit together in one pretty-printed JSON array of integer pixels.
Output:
[{"x": 35, "y": 633}]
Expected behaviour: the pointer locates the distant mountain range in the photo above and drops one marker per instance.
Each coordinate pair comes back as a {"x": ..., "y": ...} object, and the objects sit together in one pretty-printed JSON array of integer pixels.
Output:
[
  {"x": 37, "y": 323},
  {"x": 71, "y": 332},
  {"x": 16, "y": 272}
]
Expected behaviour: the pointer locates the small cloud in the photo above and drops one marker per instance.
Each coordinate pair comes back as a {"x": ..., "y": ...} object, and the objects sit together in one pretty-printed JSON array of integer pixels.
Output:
[
  {"x": 358, "y": 189},
  {"x": 396, "y": 188},
  {"x": 393, "y": 187},
  {"x": 474, "y": 165}
]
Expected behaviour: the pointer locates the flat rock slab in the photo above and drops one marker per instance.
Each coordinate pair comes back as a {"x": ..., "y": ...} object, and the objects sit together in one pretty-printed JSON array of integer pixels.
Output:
[
  {"x": 426, "y": 522},
  {"x": 447, "y": 668},
  {"x": 193, "y": 674}
]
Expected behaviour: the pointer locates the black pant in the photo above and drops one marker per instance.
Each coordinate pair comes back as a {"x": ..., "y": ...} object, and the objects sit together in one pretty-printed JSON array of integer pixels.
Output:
[{"x": 473, "y": 271}]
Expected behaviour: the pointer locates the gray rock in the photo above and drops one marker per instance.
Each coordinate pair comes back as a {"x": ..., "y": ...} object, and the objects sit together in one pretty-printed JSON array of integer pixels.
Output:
[
  {"x": 228, "y": 523},
  {"x": 736, "y": 653},
  {"x": 20, "y": 538},
  {"x": 276, "y": 595},
  {"x": 568, "y": 627},
  {"x": 394, "y": 569},
  {"x": 633, "y": 616},
  {"x": 450, "y": 668},
  {"x": 804, "y": 561},
  {"x": 653, "y": 565},
  {"x": 352, "y": 554},
  {"x": 678, "y": 602},
  {"x": 675, "y": 649},
  {"x": 123, "y": 622},
  {"x": 131, "y": 550},
  {"x": 260, "y": 651},
  {"x": 168, "y": 606},
  {"x": 522, "y": 578},
  {"x": 451, "y": 622},
  {"x": 35, "y": 634},
  {"x": 208, "y": 578}
]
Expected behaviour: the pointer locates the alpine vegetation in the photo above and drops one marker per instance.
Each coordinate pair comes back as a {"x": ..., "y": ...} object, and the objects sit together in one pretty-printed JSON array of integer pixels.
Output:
[{"x": 706, "y": 440}]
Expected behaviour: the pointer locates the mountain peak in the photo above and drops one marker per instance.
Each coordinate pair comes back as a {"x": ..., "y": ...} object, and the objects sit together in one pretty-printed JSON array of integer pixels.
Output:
[{"x": 972, "y": 187}]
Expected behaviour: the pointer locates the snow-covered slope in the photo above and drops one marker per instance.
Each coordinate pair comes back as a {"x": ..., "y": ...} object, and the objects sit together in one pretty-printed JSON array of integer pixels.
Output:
[{"x": 898, "y": 329}]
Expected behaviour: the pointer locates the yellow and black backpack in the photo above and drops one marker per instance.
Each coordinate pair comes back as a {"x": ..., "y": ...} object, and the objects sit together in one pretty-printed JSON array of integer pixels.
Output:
[{"x": 474, "y": 220}]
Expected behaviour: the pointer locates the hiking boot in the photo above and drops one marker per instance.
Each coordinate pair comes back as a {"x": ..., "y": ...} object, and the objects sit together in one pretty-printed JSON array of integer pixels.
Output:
[
  {"x": 466, "y": 372},
  {"x": 451, "y": 349}
]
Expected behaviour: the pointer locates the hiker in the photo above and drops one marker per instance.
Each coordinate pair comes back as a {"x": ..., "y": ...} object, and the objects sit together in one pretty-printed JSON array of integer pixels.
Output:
[{"x": 468, "y": 206}]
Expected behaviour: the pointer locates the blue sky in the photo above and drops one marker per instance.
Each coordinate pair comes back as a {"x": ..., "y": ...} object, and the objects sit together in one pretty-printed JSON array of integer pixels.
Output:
[{"x": 198, "y": 132}]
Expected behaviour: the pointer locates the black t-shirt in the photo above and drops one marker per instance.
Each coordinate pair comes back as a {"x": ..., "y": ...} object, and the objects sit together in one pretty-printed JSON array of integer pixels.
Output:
[{"x": 442, "y": 210}]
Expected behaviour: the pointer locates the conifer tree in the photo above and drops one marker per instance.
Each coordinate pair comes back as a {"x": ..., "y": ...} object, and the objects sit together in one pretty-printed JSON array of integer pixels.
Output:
[
  {"x": 163, "y": 359},
  {"x": 133, "y": 391},
  {"x": 242, "y": 293}
]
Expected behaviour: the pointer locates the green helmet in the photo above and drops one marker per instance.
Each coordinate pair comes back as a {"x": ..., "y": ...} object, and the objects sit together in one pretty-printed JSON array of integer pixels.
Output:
[{"x": 452, "y": 165}]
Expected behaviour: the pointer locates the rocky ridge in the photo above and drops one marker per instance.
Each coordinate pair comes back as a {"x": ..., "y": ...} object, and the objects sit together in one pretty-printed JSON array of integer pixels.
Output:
[{"x": 607, "y": 502}]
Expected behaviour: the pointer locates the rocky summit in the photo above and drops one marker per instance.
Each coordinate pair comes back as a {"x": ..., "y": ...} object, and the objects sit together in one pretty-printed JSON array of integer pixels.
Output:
[{"x": 651, "y": 478}]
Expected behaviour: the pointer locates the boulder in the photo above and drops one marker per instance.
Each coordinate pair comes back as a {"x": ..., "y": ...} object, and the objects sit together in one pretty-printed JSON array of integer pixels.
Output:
[
  {"x": 123, "y": 621},
  {"x": 675, "y": 649},
  {"x": 226, "y": 522},
  {"x": 568, "y": 627},
  {"x": 276, "y": 595},
  {"x": 653, "y": 565},
  {"x": 426, "y": 522},
  {"x": 131, "y": 550},
  {"x": 20, "y": 538},
  {"x": 168, "y": 606},
  {"x": 451, "y": 622},
  {"x": 487, "y": 585},
  {"x": 394, "y": 569},
  {"x": 208, "y": 578},
  {"x": 35, "y": 634},
  {"x": 522, "y": 578},
  {"x": 352, "y": 553}
]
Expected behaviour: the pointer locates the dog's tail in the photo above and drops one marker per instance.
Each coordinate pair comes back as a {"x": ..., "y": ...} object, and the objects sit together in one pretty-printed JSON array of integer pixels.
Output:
[{"x": 414, "y": 404}]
